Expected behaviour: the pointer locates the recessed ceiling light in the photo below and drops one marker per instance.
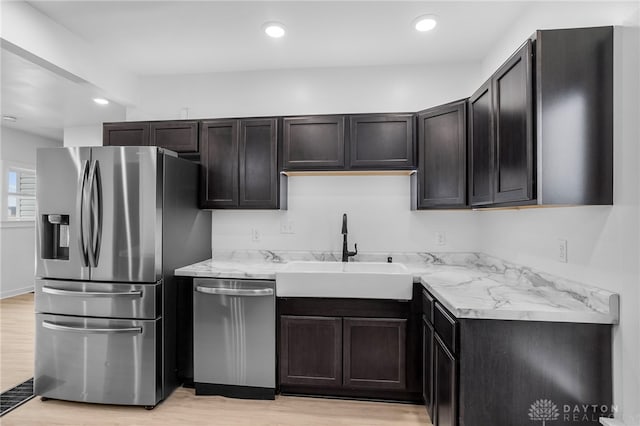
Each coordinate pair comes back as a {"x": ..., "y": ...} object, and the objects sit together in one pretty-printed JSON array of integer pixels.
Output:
[
  {"x": 274, "y": 29},
  {"x": 9, "y": 118},
  {"x": 101, "y": 101},
  {"x": 425, "y": 23}
]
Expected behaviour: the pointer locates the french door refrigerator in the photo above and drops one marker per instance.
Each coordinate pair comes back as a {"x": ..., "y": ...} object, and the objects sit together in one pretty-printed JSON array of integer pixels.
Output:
[{"x": 112, "y": 225}]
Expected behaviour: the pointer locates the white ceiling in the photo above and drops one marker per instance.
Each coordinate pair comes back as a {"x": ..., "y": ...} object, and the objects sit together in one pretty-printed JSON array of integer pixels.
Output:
[
  {"x": 45, "y": 102},
  {"x": 177, "y": 37}
]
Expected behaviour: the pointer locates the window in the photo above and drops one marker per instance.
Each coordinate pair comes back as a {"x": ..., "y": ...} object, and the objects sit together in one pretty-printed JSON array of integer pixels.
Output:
[{"x": 21, "y": 194}]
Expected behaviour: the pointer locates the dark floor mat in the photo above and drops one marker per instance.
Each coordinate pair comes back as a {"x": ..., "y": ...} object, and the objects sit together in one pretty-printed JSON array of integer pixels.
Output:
[{"x": 16, "y": 396}]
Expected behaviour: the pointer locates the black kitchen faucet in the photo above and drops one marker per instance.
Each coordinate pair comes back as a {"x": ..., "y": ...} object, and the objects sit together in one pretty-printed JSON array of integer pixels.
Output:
[{"x": 345, "y": 251}]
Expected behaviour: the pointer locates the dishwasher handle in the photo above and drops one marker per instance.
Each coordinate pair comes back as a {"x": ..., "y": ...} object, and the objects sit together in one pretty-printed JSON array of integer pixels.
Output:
[{"x": 243, "y": 292}]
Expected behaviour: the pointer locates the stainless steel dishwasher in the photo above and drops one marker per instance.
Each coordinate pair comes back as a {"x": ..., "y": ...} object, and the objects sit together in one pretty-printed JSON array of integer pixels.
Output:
[{"x": 234, "y": 338}]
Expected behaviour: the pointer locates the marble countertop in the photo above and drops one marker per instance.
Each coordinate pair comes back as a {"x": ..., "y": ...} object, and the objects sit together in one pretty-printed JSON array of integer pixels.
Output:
[{"x": 469, "y": 285}]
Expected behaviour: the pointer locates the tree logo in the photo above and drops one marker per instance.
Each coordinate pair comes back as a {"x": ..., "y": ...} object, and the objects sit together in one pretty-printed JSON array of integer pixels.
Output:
[{"x": 543, "y": 410}]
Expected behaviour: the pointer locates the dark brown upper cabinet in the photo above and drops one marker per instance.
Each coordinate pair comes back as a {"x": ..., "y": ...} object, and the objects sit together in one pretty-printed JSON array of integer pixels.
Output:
[
  {"x": 574, "y": 114},
  {"x": 381, "y": 141},
  {"x": 239, "y": 164},
  {"x": 219, "y": 157},
  {"x": 340, "y": 142},
  {"x": 481, "y": 146},
  {"x": 125, "y": 134},
  {"x": 313, "y": 142},
  {"x": 442, "y": 156},
  {"x": 541, "y": 129},
  {"x": 501, "y": 156},
  {"x": 512, "y": 87},
  {"x": 180, "y": 136},
  {"x": 258, "y": 170}
]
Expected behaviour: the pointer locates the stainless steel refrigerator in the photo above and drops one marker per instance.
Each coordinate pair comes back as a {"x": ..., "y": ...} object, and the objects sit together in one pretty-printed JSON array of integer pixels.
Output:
[{"x": 112, "y": 225}]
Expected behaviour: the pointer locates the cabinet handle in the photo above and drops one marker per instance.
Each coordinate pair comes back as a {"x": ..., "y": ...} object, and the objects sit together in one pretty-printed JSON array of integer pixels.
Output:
[
  {"x": 235, "y": 291},
  {"x": 60, "y": 292},
  {"x": 58, "y": 327}
]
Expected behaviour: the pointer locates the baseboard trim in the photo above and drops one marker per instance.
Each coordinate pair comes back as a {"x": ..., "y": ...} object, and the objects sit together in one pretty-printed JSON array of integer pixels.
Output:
[{"x": 16, "y": 292}]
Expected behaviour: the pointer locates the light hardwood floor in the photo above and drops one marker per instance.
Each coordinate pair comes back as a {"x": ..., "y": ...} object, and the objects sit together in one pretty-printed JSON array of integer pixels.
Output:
[
  {"x": 182, "y": 407},
  {"x": 17, "y": 327}
]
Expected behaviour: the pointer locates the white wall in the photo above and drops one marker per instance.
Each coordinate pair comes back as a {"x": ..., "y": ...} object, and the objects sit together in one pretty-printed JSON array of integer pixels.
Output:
[
  {"x": 378, "y": 207},
  {"x": 603, "y": 242},
  {"x": 379, "y": 219},
  {"x": 17, "y": 239},
  {"x": 303, "y": 91},
  {"x": 83, "y": 136}
]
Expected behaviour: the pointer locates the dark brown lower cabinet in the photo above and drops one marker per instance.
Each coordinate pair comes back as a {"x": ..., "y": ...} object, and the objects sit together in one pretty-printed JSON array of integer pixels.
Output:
[
  {"x": 427, "y": 366},
  {"x": 374, "y": 353},
  {"x": 446, "y": 395},
  {"x": 349, "y": 348},
  {"x": 494, "y": 372},
  {"x": 310, "y": 350}
]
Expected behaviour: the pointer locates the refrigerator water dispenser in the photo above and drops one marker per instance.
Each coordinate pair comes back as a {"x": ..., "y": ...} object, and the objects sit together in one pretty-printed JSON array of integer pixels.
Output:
[{"x": 55, "y": 236}]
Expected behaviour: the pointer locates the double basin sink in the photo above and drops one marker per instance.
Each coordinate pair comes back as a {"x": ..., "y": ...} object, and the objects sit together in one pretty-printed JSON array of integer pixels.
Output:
[{"x": 369, "y": 280}]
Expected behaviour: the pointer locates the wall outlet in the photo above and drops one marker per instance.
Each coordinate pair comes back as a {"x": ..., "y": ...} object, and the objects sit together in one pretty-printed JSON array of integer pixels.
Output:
[
  {"x": 562, "y": 251},
  {"x": 255, "y": 235},
  {"x": 286, "y": 227},
  {"x": 441, "y": 238}
]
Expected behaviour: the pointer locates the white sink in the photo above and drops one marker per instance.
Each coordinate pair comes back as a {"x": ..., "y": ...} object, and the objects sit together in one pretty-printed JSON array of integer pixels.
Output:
[{"x": 366, "y": 280}]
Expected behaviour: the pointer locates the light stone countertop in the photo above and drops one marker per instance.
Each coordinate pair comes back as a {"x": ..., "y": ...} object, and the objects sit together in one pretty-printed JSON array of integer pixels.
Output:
[{"x": 469, "y": 285}]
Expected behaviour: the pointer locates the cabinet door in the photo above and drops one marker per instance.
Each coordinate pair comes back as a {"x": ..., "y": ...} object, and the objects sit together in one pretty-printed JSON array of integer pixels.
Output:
[
  {"x": 178, "y": 136},
  {"x": 374, "y": 353},
  {"x": 219, "y": 157},
  {"x": 310, "y": 351},
  {"x": 125, "y": 134},
  {"x": 445, "y": 389},
  {"x": 513, "y": 113},
  {"x": 313, "y": 143},
  {"x": 427, "y": 366},
  {"x": 259, "y": 163},
  {"x": 481, "y": 146},
  {"x": 381, "y": 141},
  {"x": 442, "y": 156}
]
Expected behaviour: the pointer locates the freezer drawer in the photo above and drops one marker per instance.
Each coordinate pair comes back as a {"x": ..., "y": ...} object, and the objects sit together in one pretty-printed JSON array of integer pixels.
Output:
[
  {"x": 96, "y": 360},
  {"x": 140, "y": 301},
  {"x": 234, "y": 335}
]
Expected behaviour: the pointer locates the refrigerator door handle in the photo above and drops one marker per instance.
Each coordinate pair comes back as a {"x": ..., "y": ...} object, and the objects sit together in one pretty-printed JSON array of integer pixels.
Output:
[
  {"x": 82, "y": 243},
  {"x": 94, "y": 204},
  {"x": 235, "y": 291},
  {"x": 61, "y": 292},
  {"x": 89, "y": 330}
]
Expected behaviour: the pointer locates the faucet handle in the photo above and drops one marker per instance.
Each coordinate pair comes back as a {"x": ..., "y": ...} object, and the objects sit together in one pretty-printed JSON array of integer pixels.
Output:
[{"x": 353, "y": 253}]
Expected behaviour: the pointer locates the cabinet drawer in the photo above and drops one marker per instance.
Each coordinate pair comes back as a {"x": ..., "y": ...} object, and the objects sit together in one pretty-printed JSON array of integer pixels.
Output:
[
  {"x": 98, "y": 299},
  {"x": 427, "y": 306},
  {"x": 446, "y": 327},
  {"x": 101, "y": 360}
]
